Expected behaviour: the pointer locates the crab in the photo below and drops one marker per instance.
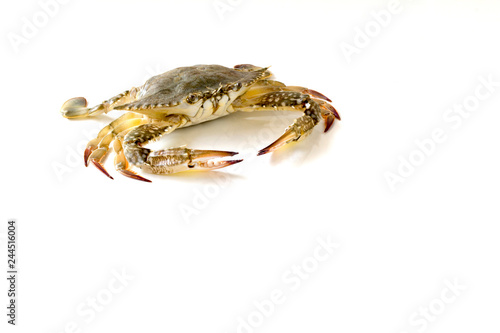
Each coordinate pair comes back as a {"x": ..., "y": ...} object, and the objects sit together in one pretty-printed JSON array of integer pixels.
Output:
[{"x": 188, "y": 96}]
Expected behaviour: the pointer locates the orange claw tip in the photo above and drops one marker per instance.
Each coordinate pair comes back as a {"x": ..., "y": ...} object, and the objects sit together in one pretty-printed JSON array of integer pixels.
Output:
[
  {"x": 223, "y": 164},
  {"x": 230, "y": 162},
  {"x": 233, "y": 162},
  {"x": 267, "y": 149},
  {"x": 133, "y": 175},
  {"x": 288, "y": 136},
  {"x": 100, "y": 167},
  {"x": 336, "y": 114},
  {"x": 317, "y": 94},
  {"x": 328, "y": 122},
  {"x": 263, "y": 151},
  {"x": 86, "y": 155},
  {"x": 331, "y": 109}
]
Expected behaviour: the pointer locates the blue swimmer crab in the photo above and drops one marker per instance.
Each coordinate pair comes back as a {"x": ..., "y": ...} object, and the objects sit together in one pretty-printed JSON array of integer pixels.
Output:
[{"x": 188, "y": 96}]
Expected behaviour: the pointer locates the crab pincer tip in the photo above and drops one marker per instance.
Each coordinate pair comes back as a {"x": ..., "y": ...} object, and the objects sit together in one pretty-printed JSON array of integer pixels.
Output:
[
  {"x": 287, "y": 137},
  {"x": 266, "y": 150},
  {"x": 133, "y": 175},
  {"x": 100, "y": 167},
  {"x": 234, "y": 162},
  {"x": 318, "y": 94},
  {"x": 328, "y": 123},
  {"x": 331, "y": 109},
  {"x": 86, "y": 155},
  {"x": 337, "y": 115}
]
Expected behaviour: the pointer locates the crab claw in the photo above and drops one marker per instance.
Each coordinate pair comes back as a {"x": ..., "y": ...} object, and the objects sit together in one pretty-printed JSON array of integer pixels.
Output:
[
  {"x": 212, "y": 165},
  {"x": 328, "y": 113},
  {"x": 133, "y": 175},
  {"x": 101, "y": 167},
  {"x": 86, "y": 154},
  {"x": 96, "y": 157},
  {"x": 203, "y": 155},
  {"x": 300, "y": 128},
  {"x": 181, "y": 159},
  {"x": 204, "y": 159},
  {"x": 288, "y": 136},
  {"x": 317, "y": 94},
  {"x": 328, "y": 118},
  {"x": 91, "y": 147},
  {"x": 331, "y": 109}
]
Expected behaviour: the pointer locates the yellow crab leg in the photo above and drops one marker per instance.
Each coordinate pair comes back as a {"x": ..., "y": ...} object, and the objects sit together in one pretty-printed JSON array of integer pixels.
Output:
[
  {"x": 93, "y": 144},
  {"x": 77, "y": 107},
  {"x": 96, "y": 153}
]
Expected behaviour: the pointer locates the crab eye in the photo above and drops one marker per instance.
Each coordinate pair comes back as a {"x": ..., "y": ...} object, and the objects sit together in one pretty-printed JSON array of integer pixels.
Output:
[
  {"x": 192, "y": 98},
  {"x": 237, "y": 86}
]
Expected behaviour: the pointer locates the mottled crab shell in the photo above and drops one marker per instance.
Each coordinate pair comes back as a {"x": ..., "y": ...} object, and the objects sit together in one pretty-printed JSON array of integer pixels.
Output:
[{"x": 189, "y": 84}]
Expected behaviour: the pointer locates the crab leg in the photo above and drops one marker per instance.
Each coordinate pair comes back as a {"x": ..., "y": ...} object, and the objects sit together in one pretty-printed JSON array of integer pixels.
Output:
[
  {"x": 92, "y": 145},
  {"x": 98, "y": 148},
  {"x": 267, "y": 86},
  {"x": 292, "y": 99},
  {"x": 308, "y": 91},
  {"x": 166, "y": 161},
  {"x": 121, "y": 163},
  {"x": 77, "y": 107}
]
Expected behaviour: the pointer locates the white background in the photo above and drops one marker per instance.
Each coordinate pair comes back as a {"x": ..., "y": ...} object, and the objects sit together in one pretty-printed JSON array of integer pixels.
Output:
[{"x": 202, "y": 248}]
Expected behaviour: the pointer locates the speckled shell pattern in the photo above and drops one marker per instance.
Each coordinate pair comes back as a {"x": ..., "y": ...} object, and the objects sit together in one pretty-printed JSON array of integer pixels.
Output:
[{"x": 172, "y": 87}]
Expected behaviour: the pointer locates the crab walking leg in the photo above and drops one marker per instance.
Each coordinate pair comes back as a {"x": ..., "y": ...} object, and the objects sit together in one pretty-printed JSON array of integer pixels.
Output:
[
  {"x": 166, "y": 161},
  {"x": 93, "y": 144},
  {"x": 287, "y": 100},
  {"x": 308, "y": 91},
  {"x": 102, "y": 149},
  {"x": 328, "y": 112},
  {"x": 268, "y": 86},
  {"x": 77, "y": 107}
]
